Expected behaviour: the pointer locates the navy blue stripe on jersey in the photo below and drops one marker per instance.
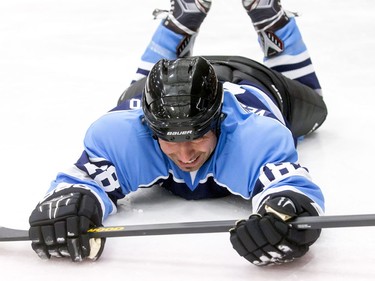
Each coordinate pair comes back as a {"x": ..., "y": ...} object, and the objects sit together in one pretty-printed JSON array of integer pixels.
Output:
[
  {"x": 263, "y": 89},
  {"x": 144, "y": 72},
  {"x": 277, "y": 171},
  {"x": 252, "y": 103},
  {"x": 103, "y": 172},
  {"x": 208, "y": 189}
]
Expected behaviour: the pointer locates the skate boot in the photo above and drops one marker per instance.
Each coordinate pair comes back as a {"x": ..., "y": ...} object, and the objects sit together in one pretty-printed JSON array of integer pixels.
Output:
[
  {"x": 185, "y": 17},
  {"x": 281, "y": 41},
  {"x": 176, "y": 33},
  {"x": 267, "y": 16}
]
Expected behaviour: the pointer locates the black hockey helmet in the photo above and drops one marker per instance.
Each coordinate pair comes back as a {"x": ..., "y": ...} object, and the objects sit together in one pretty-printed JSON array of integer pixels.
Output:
[{"x": 182, "y": 99}]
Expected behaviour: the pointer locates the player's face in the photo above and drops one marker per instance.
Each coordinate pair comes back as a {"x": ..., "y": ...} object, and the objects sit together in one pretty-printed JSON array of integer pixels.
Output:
[{"x": 190, "y": 155}]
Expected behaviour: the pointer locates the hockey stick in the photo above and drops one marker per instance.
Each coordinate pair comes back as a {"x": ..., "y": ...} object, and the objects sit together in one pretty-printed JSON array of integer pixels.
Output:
[{"x": 9, "y": 234}]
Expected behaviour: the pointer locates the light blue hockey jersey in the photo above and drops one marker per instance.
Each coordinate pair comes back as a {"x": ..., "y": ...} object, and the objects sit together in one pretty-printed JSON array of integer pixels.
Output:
[{"x": 255, "y": 156}]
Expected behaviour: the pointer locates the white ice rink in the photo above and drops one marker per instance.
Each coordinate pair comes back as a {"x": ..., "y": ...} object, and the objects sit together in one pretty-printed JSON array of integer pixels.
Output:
[{"x": 64, "y": 63}]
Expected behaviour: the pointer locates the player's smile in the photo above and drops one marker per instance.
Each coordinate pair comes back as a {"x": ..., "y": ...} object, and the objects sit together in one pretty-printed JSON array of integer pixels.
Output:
[{"x": 191, "y": 155}]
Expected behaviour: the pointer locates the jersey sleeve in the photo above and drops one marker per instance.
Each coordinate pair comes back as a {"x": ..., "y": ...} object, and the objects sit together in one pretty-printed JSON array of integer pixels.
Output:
[
  {"x": 287, "y": 178},
  {"x": 116, "y": 148},
  {"x": 264, "y": 150}
]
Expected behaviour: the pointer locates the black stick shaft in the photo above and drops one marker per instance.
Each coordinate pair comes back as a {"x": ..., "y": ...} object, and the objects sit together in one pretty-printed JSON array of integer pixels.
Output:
[
  {"x": 163, "y": 229},
  {"x": 317, "y": 222},
  {"x": 8, "y": 234},
  {"x": 333, "y": 221}
]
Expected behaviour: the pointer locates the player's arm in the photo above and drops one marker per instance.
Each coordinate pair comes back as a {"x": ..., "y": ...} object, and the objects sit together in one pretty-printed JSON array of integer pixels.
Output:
[{"x": 78, "y": 200}]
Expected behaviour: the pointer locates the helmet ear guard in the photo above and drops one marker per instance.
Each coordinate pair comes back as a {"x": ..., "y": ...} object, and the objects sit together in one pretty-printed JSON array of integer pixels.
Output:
[{"x": 182, "y": 99}]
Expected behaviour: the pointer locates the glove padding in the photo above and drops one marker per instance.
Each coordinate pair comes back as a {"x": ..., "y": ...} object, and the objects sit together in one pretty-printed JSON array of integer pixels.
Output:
[
  {"x": 266, "y": 238},
  {"x": 59, "y": 224}
]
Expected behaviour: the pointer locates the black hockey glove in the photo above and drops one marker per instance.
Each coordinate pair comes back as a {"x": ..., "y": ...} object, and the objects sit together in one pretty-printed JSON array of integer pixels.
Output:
[
  {"x": 266, "y": 238},
  {"x": 59, "y": 224}
]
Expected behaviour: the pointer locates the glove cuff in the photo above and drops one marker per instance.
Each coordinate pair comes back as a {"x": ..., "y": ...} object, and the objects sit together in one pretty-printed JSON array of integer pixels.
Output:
[
  {"x": 289, "y": 203},
  {"x": 66, "y": 189}
]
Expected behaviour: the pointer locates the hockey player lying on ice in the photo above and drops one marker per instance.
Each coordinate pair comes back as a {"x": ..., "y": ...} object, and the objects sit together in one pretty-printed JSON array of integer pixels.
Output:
[{"x": 201, "y": 127}]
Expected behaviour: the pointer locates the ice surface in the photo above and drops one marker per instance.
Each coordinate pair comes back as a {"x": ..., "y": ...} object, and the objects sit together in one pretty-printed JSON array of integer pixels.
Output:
[{"x": 64, "y": 63}]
